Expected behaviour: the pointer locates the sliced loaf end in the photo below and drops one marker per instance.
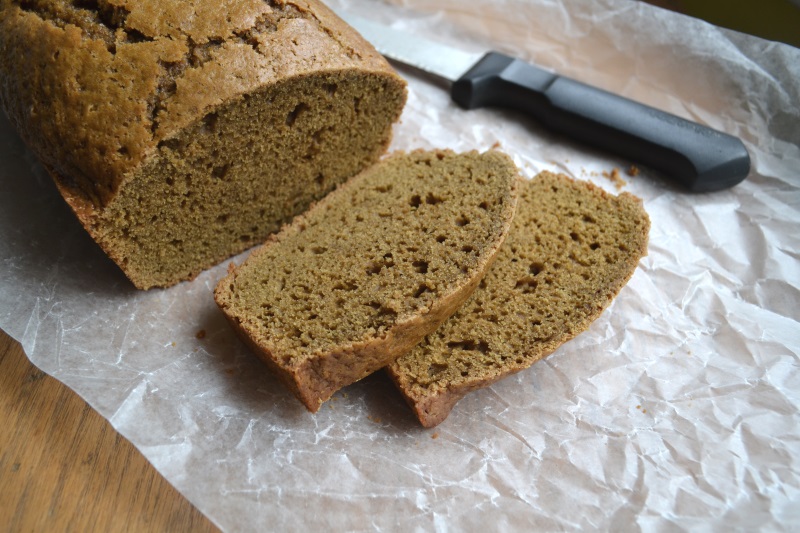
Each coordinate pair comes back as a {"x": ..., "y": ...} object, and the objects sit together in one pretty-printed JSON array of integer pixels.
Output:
[{"x": 226, "y": 182}]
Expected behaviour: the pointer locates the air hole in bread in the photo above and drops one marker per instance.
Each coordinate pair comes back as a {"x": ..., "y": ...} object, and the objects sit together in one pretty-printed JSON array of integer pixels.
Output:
[
  {"x": 295, "y": 113},
  {"x": 420, "y": 266},
  {"x": 436, "y": 368},
  {"x": 345, "y": 286},
  {"x": 527, "y": 285},
  {"x": 470, "y": 346},
  {"x": 210, "y": 122},
  {"x": 220, "y": 172},
  {"x": 422, "y": 289},
  {"x": 432, "y": 199}
]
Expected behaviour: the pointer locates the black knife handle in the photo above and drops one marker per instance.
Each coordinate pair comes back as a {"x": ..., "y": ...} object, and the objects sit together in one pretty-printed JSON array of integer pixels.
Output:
[{"x": 700, "y": 158}]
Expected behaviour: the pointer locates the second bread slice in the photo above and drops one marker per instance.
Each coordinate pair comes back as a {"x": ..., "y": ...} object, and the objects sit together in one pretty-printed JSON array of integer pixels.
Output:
[
  {"x": 369, "y": 271},
  {"x": 571, "y": 250}
]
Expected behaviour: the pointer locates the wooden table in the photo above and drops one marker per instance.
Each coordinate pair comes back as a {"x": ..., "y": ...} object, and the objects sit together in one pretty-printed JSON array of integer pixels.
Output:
[{"x": 64, "y": 468}]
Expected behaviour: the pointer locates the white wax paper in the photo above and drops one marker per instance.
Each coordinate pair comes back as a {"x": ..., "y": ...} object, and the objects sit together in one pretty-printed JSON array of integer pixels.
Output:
[{"x": 677, "y": 410}]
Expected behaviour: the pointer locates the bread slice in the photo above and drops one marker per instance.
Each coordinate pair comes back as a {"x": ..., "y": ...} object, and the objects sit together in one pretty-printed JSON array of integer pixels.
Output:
[
  {"x": 183, "y": 133},
  {"x": 572, "y": 247},
  {"x": 370, "y": 270}
]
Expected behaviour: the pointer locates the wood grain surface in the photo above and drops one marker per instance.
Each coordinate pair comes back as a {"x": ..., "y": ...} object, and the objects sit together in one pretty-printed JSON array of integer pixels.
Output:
[{"x": 64, "y": 468}]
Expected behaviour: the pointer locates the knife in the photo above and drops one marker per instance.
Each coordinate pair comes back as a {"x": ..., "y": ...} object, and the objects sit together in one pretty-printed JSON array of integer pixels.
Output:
[{"x": 698, "y": 157}]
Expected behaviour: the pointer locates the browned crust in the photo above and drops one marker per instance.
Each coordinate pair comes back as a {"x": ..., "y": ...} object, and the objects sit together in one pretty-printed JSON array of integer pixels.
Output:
[{"x": 316, "y": 378}]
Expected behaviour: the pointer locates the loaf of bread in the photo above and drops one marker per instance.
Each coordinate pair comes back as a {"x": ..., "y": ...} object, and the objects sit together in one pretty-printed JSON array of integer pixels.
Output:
[
  {"x": 371, "y": 269},
  {"x": 571, "y": 249},
  {"x": 182, "y": 133}
]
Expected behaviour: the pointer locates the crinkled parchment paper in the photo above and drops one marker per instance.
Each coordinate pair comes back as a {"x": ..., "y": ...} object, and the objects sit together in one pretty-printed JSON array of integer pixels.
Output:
[{"x": 678, "y": 409}]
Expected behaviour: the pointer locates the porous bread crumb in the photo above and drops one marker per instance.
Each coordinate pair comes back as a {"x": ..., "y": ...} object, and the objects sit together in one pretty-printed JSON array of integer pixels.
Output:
[
  {"x": 571, "y": 249},
  {"x": 183, "y": 133},
  {"x": 633, "y": 171},
  {"x": 370, "y": 270}
]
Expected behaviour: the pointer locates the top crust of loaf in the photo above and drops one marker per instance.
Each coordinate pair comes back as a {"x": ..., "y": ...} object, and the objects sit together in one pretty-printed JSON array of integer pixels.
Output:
[
  {"x": 371, "y": 269},
  {"x": 95, "y": 86},
  {"x": 571, "y": 248}
]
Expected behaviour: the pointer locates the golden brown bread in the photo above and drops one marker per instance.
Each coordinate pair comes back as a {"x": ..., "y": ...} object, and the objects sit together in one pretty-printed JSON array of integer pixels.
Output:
[
  {"x": 182, "y": 132},
  {"x": 572, "y": 247},
  {"x": 370, "y": 270}
]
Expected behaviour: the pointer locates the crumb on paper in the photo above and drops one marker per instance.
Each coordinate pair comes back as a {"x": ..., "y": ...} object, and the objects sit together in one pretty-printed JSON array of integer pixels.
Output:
[
  {"x": 375, "y": 419},
  {"x": 173, "y": 344},
  {"x": 496, "y": 145},
  {"x": 633, "y": 171},
  {"x": 615, "y": 178},
  {"x": 435, "y": 435},
  {"x": 201, "y": 334}
]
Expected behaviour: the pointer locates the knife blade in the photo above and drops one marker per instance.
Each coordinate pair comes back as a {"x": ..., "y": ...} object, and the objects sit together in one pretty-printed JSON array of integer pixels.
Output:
[{"x": 698, "y": 157}]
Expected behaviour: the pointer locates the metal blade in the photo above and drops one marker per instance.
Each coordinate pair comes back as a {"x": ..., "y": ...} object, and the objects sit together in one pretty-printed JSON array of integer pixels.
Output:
[{"x": 437, "y": 59}]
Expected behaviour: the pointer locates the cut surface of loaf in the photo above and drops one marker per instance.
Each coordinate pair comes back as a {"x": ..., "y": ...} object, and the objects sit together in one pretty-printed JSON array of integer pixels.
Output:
[
  {"x": 370, "y": 270},
  {"x": 182, "y": 133},
  {"x": 572, "y": 247}
]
